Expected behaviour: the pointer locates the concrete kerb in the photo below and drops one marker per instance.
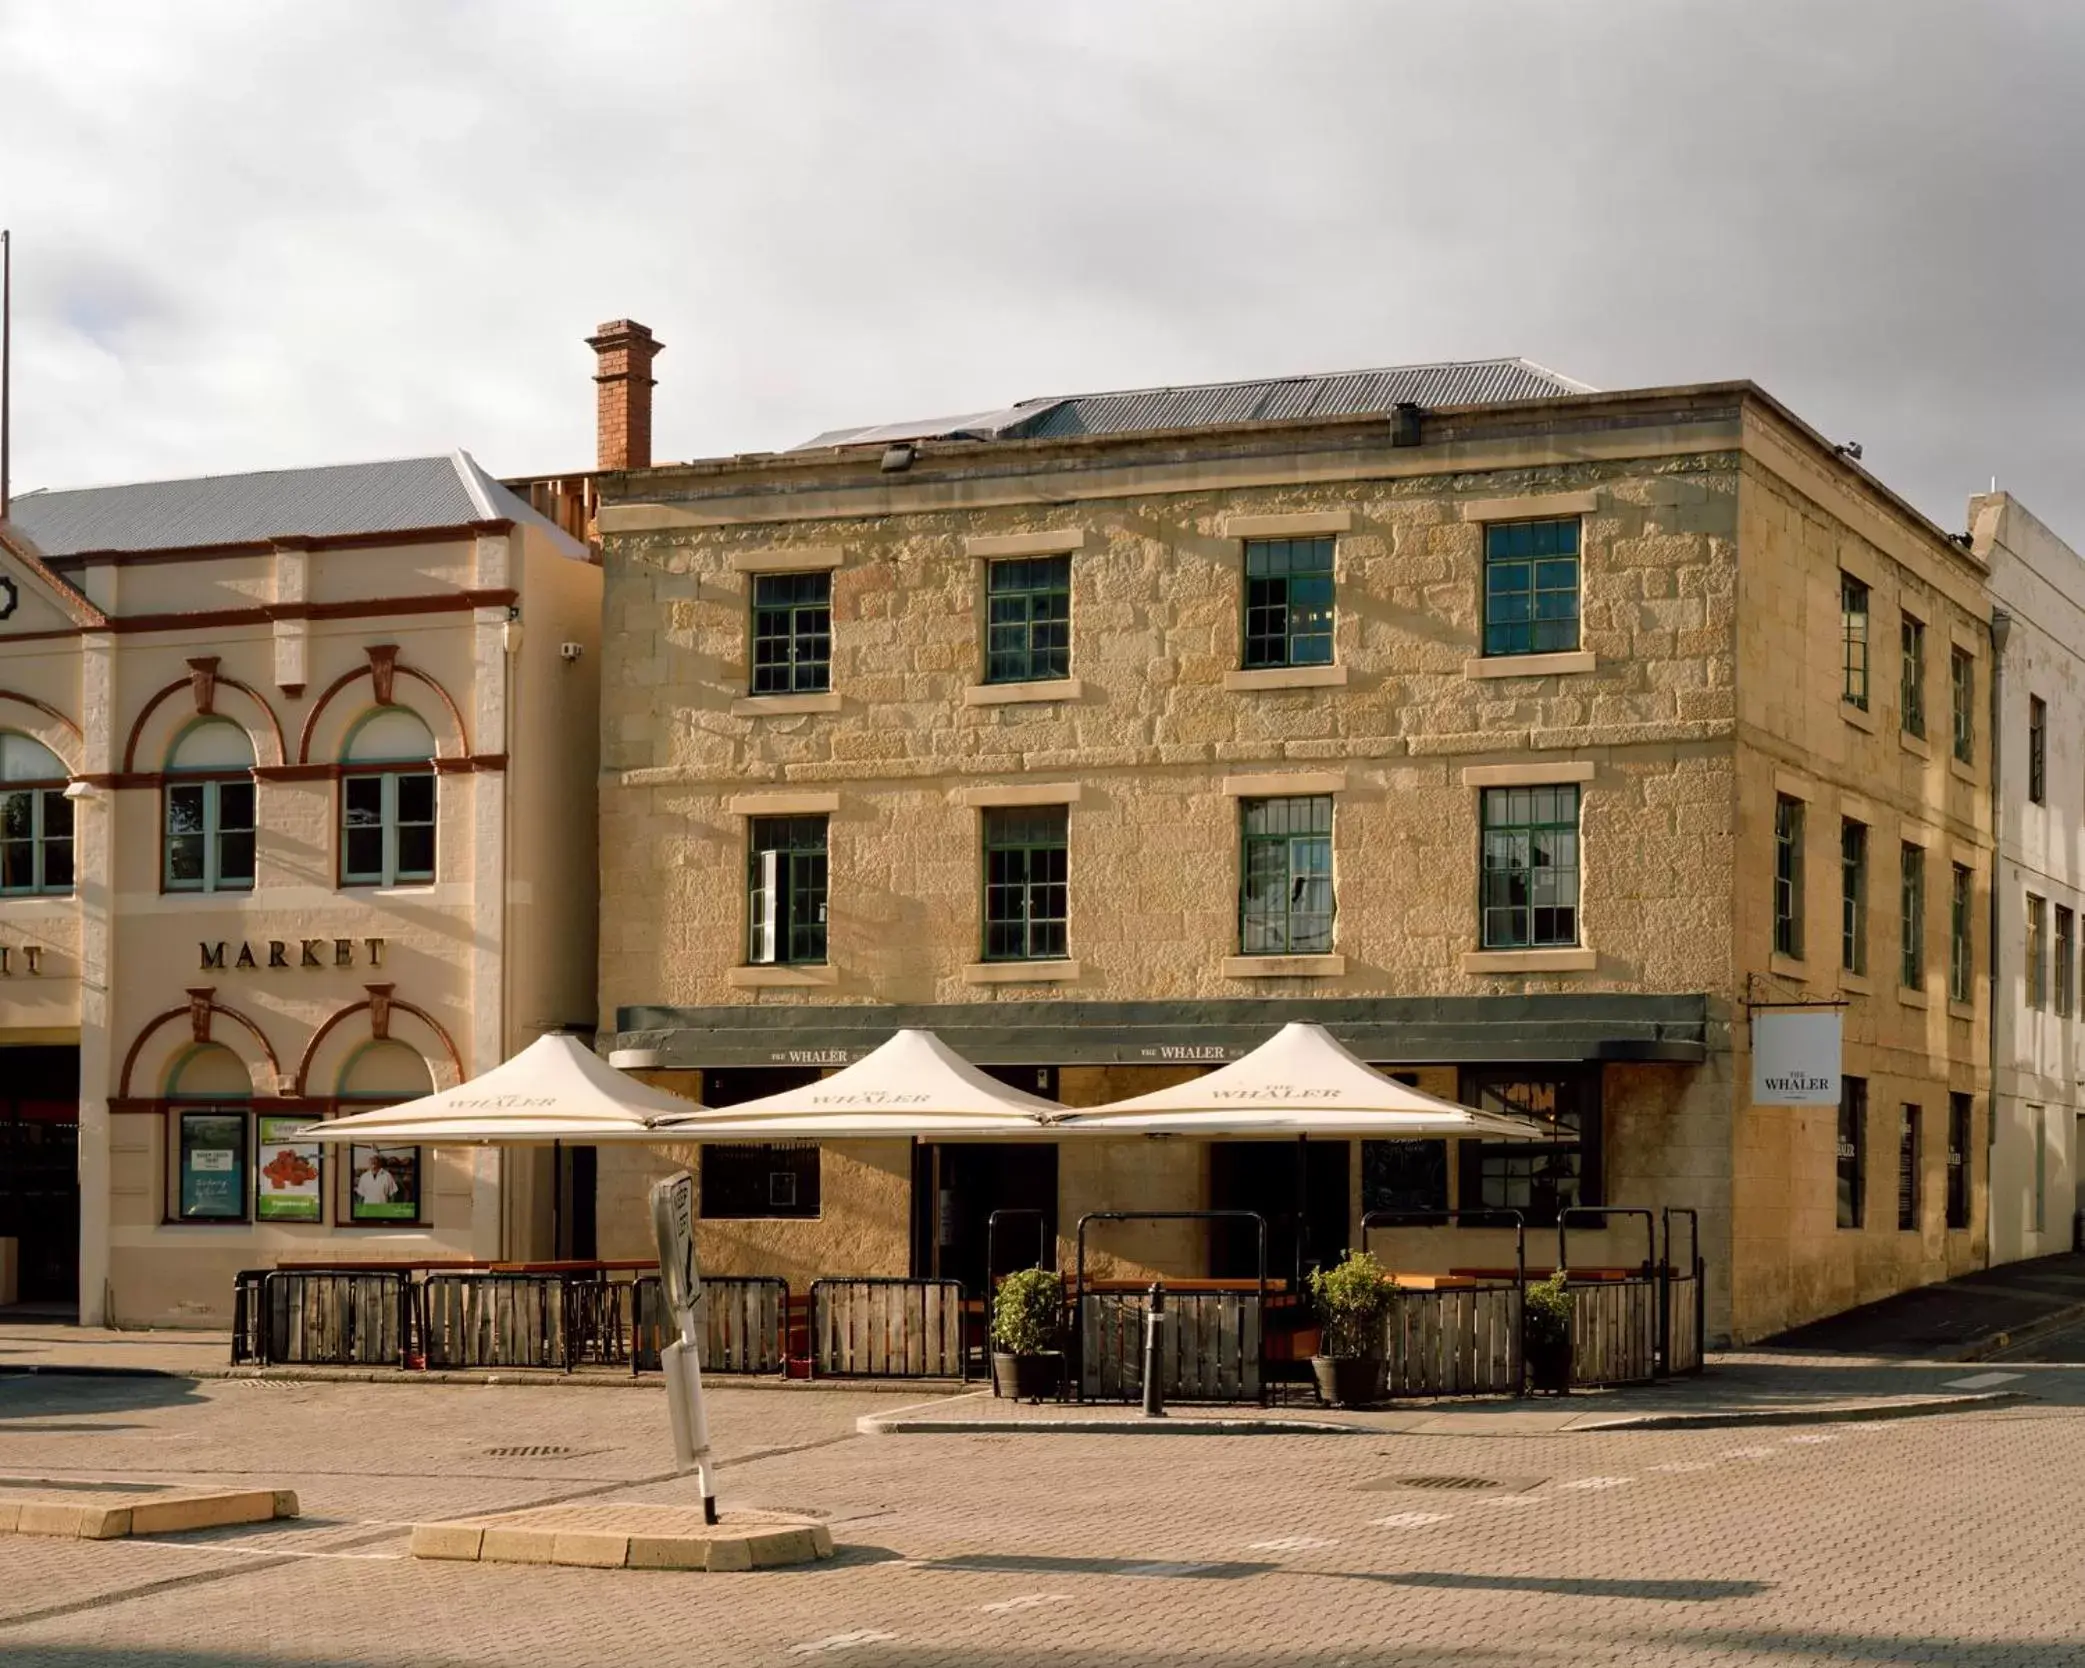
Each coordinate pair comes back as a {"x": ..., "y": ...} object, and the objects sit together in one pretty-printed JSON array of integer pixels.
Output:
[
  {"x": 639, "y": 1537},
  {"x": 1837, "y": 1413},
  {"x": 143, "y": 1514}
]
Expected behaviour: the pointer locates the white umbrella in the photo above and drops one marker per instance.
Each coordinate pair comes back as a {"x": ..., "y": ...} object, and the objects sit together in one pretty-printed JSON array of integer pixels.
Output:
[
  {"x": 556, "y": 1089},
  {"x": 1300, "y": 1081},
  {"x": 914, "y": 1084}
]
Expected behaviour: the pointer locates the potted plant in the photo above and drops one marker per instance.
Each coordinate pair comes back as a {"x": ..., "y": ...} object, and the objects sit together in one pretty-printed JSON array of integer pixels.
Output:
[
  {"x": 1027, "y": 1322},
  {"x": 1353, "y": 1299},
  {"x": 1545, "y": 1334}
]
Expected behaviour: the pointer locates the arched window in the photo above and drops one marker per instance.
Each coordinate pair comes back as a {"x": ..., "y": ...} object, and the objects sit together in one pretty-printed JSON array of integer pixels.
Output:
[
  {"x": 35, "y": 818},
  {"x": 207, "y": 1094},
  {"x": 383, "y": 1183},
  {"x": 387, "y": 801},
  {"x": 209, "y": 809}
]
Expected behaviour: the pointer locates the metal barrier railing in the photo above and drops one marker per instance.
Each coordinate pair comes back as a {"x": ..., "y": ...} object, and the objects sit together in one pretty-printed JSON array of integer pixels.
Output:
[
  {"x": 249, "y": 1336},
  {"x": 318, "y": 1318},
  {"x": 495, "y": 1320},
  {"x": 1212, "y": 1346},
  {"x": 1614, "y": 1323},
  {"x": 743, "y": 1321},
  {"x": 1460, "y": 1340},
  {"x": 888, "y": 1327}
]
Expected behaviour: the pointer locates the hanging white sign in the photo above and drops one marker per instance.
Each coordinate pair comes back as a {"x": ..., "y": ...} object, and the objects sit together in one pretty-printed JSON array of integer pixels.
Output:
[{"x": 1795, "y": 1059}]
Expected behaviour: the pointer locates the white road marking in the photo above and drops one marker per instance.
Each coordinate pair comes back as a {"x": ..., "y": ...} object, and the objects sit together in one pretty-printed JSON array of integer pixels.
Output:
[
  {"x": 1410, "y": 1520},
  {"x": 1143, "y": 1572},
  {"x": 1980, "y": 1381},
  {"x": 1597, "y": 1482},
  {"x": 265, "y": 1551},
  {"x": 1027, "y": 1601},
  {"x": 1746, "y": 1453},
  {"x": 1677, "y": 1467},
  {"x": 841, "y": 1641},
  {"x": 1290, "y": 1543},
  {"x": 1510, "y": 1500},
  {"x": 1812, "y": 1440}
]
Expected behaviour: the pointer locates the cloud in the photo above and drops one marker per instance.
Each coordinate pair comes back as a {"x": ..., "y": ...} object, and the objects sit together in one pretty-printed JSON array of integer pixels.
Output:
[{"x": 251, "y": 235}]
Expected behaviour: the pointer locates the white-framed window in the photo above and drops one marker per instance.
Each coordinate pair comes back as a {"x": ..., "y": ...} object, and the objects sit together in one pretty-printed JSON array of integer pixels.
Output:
[
  {"x": 209, "y": 798},
  {"x": 387, "y": 801},
  {"x": 35, "y": 818}
]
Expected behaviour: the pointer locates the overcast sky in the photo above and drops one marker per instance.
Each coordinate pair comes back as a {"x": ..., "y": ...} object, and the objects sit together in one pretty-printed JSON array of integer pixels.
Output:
[{"x": 251, "y": 235}]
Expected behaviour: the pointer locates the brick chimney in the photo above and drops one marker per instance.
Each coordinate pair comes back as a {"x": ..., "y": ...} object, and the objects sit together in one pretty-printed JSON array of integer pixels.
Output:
[{"x": 623, "y": 404}]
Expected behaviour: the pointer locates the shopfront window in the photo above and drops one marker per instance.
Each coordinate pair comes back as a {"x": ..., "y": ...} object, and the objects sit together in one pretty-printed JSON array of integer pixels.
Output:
[
  {"x": 1959, "y": 1107},
  {"x": 209, "y": 797},
  {"x": 207, "y": 1100},
  {"x": 384, "y": 1182},
  {"x": 1536, "y": 1178},
  {"x": 1852, "y": 1152},
  {"x": 35, "y": 818},
  {"x": 744, "y": 1181},
  {"x": 1404, "y": 1175}
]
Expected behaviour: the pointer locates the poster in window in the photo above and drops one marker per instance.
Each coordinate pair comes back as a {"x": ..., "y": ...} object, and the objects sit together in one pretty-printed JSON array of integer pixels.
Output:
[
  {"x": 286, "y": 1172},
  {"x": 213, "y": 1166},
  {"x": 384, "y": 1184}
]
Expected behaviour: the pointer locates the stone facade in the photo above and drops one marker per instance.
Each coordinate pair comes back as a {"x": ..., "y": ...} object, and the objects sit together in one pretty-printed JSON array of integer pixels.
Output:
[{"x": 1713, "y": 529}]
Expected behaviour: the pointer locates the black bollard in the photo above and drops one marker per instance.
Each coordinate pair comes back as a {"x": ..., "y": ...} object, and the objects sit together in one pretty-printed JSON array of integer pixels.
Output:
[{"x": 1154, "y": 1327}]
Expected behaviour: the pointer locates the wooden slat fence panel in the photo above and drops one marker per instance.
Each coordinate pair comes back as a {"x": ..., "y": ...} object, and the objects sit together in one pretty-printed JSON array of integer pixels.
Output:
[
  {"x": 887, "y": 1328},
  {"x": 1684, "y": 1352},
  {"x": 1210, "y": 1350},
  {"x": 495, "y": 1320},
  {"x": 335, "y": 1320},
  {"x": 1614, "y": 1331},
  {"x": 741, "y": 1319},
  {"x": 1454, "y": 1341}
]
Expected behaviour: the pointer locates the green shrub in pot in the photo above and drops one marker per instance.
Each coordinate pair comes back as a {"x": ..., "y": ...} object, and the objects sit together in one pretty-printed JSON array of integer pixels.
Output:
[
  {"x": 1027, "y": 1323},
  {"x": 1353, "y": 1299},
  {"x": 1545, "y": 1331}
]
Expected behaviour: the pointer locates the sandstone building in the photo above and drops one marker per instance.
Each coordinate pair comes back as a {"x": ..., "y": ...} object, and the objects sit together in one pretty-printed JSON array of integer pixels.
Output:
[
  {"x": 1527, "y": 736},
  {"x": 294, "y": 816}
]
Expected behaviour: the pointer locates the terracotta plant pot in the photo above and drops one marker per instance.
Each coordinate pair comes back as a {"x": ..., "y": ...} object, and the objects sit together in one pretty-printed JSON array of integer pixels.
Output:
[
  {"x": 1549, "y": 1365},
  {"x": 1028, "y": 1378},
  {"x": 1350, "y": 1380}
]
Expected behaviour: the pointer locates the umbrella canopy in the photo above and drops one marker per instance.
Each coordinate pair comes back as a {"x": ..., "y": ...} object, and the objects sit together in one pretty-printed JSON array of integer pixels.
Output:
[
  {"x": 1300, "y": 1081},
  {"x": 556, "y": 1089},
  {"x": 914, "y": 1084}
]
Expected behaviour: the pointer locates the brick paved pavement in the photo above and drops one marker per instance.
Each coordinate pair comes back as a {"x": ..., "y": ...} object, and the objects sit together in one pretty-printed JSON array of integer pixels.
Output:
[{"x": 1948, "y": 1540}]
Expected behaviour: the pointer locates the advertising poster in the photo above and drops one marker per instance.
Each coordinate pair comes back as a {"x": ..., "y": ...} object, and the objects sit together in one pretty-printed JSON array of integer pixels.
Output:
[
  {"x": 384, "y": 1184},
  {"x": 287, "y": 1173},
  {"x": 213, "y": 1166}
]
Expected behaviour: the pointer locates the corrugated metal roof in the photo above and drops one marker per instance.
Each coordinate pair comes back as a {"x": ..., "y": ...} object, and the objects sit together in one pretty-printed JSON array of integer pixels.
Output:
[
  {"x": 334, "y": 501},
  {"x": 1212, "y": 404}
]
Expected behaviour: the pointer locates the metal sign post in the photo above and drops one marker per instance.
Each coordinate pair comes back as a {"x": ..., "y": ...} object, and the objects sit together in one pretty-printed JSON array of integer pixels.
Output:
[{"x": 673, "y": 1225}]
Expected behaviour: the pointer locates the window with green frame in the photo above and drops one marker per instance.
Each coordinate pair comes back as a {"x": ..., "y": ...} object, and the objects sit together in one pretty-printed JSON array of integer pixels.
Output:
[
  {"x": 1027, "y": 883},
  {"x": 1531, "y": 587},
  {"x": 1530, "y": 867},
  {"x": 1288, "y": 602},
  {"x": 792, "y": 633},
  {"x": 1853, "y": 641},
  {"x": 1788, "y": 876},
  {"x": 1960, "y": 954},
  {"x": 1285, "y": 901},
  {"x": 1961, "y": 668},
  {"x": 35, "y": 818},
  {"x": 1853, "y": 895},
  {"x": 1911, "y": 691},
  {"x": 209, "y": 810},
  {"x": 786, "y": 885},
  {"x": 1028, "y": 621},
  {"x": 1911, "y": 916}
]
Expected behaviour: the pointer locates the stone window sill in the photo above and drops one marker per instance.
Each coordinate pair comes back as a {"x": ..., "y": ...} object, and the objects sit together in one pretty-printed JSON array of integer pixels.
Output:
[
  {"x": 1284, "y": 967},
  {"x": 782, "y": 706},
  {"x": 1006, "y": 694},
  {"x": 1914, "y": 744},
  {"x": 1913, "y": 998},
  {"x": 1285, "y": 677},
  {"x": 781, "y": 976},
  {"x": 1857, "y": 717},
  {"x": 1957, "y": 768},
  {"x": 1855, "y": 982},
  {"x": 1529, "y": 665},
  {"x": 1961, "y": 1010},
  {"x": 1559, "y": 960},
  {"x": 1020, "y": 972},
  {"x": 1791, "y": 967}
]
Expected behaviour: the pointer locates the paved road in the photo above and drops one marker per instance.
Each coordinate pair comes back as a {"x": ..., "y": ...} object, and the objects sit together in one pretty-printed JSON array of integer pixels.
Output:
[{"x": 1955, "y": 1540}]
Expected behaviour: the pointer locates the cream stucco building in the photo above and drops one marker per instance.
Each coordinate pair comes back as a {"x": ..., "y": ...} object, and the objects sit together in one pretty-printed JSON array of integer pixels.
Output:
[
  {"x": 2038, "y": 588},
  {"x": 1523, "y": 734},
  {"x": 296, "y": 814}
]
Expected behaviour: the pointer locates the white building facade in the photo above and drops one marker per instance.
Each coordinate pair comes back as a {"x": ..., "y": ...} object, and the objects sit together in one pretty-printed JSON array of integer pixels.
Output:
[{"x": 2039, "y": 886}]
